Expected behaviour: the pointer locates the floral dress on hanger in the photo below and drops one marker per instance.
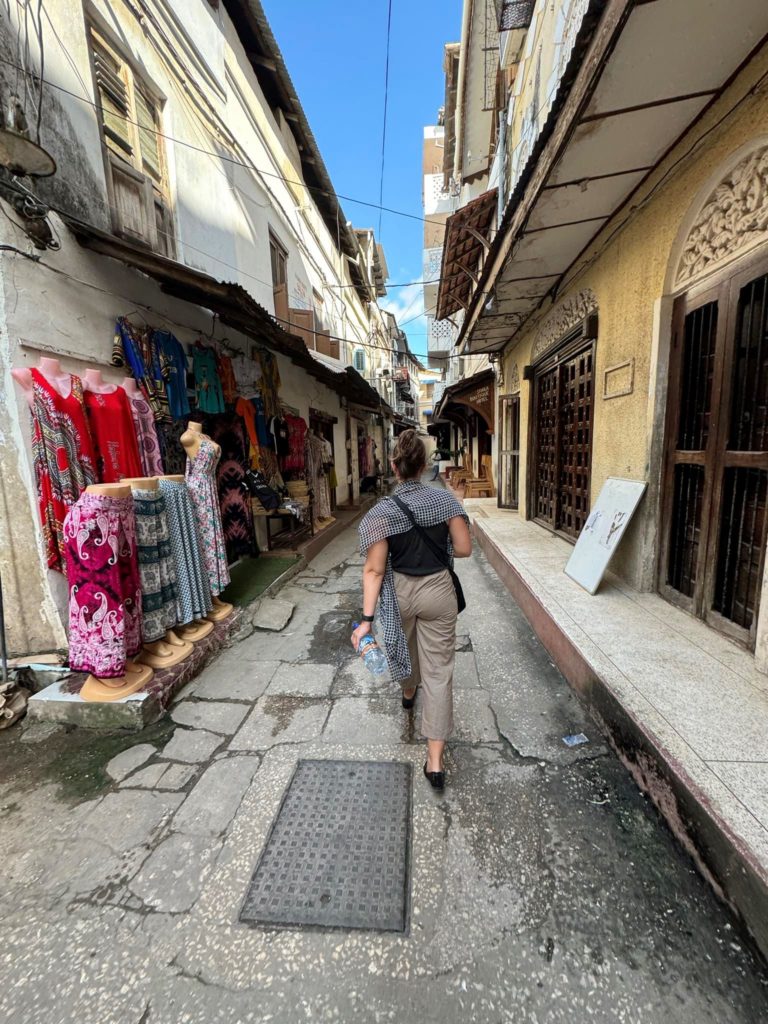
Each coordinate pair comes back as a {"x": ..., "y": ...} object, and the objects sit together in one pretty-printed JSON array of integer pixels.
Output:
[{"x": 201, "y": 481}]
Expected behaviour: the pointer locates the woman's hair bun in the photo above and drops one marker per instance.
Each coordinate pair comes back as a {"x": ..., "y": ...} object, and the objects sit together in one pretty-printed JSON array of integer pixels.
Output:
[{"x": 410, "y": 455}]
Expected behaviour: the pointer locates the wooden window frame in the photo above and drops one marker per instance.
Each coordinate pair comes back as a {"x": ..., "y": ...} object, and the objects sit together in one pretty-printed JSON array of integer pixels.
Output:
[
  {"x": 513, "y": 402},
  {"x": 723, "y": 287},
  {"x": 578, "y": 340},
  {"x": 156, "y": 191}
]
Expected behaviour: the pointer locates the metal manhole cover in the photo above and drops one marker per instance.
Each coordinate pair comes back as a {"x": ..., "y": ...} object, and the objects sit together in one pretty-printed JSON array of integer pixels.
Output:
[{"x": 338, "y": 852}]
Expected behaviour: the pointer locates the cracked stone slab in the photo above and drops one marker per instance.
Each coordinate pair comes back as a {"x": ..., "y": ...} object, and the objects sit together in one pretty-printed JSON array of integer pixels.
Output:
[
  {"x": 273, "y": 614},
  {"x": 191, "y": 746},
  {"x": 129, "y": 760},
  {"x": 281, "y": 719},
  {"x": 128, "y": 817},
  {"x": 465, "y": 676},
  {"x": 176, "y": 776},
  {"x": 364, "y": 720},
  {"x": 171, "y": 879},
  {"x": 234, "y": 679},
  {"x": 308, "y": 680},
  {"x": 353, "y": 679},
  {"x": 147, "y": 778},
  {"x": 212, "y": 804},
  {"x": 473, "y": 718},
  {"x": 213, "y": 716}
]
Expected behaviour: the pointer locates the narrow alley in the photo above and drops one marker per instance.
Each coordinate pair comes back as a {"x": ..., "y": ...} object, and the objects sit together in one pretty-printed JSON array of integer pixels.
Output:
[{"x": 544, "y": 887}]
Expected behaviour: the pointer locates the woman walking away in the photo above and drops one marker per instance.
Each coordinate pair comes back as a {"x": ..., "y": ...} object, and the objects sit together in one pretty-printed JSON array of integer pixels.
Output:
[{"x": 409, "y": 541}]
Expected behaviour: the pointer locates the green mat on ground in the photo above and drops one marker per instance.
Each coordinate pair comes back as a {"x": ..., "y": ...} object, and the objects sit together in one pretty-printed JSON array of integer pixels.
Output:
[{"x": 251, "y": 577}]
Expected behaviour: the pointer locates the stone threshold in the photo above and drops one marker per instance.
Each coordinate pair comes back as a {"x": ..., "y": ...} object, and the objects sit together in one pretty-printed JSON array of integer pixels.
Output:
[{"x": 638, "y": 664}]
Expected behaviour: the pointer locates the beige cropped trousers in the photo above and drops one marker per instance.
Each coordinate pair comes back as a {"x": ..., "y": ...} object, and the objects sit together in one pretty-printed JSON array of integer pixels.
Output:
[{"x": 428, "y": 611}]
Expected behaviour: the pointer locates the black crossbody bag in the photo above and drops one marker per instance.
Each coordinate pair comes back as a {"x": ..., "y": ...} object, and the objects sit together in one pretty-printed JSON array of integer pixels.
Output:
[{"x": 441, "y": 556}]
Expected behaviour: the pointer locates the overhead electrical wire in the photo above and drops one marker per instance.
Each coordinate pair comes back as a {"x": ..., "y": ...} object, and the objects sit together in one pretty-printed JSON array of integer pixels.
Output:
[{"x": 384, "y": 119}]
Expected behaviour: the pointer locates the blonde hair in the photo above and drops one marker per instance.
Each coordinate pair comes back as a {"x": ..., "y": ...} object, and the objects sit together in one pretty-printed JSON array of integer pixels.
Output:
[{"x": 410, "y": 455}]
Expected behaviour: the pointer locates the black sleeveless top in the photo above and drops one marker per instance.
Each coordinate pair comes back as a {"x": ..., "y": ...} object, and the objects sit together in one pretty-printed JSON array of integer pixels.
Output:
[{"x": 412, "y": 557}]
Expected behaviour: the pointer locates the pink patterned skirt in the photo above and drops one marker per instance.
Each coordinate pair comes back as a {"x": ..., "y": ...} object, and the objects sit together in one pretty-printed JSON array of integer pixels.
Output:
[{"x": 104, "y": 585}]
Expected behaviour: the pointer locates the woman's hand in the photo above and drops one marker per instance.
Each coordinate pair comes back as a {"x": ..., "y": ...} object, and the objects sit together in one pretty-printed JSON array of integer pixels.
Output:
[{"x": 362, "y": 630}]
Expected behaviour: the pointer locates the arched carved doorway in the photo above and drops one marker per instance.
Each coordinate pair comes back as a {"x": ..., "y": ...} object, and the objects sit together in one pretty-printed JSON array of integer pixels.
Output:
[{"x": 715, "y": 506}]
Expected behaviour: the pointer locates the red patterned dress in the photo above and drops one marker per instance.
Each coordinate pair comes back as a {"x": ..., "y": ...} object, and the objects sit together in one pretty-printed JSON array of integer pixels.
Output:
[
  {"x": 114, "y": 435},
  {"x": 63, "y": 455}
]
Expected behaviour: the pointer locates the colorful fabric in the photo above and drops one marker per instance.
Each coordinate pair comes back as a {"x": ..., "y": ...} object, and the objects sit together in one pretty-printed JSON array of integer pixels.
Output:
[
  {"x": 173, "y": 455},
  {"x": 247, "y": 411},
  {"x": 297, "y": 432},
  {"x": 146, "y": 435},
  {"x": 227, "y": 378},
  {"x": 193, "y": 591},
  {"x": 104, "y": 587},
  {"x": 172, "y": 366},
  {"x": 208, "y": 393},
  {"x": 114, "y": 435},
  {"x": 316, "y": 477},
  {"x": 201, "y": 476},
  {"x": 262, "y": 425},
  {"x": 236, "y": 512},
  {"x": 270, "y": 383},
  {"x": 157, "y": 571},
  {"x": 135, "y": 350},
  {"x": 63, "y": 456},
  {"x": 430, "y": 507}
]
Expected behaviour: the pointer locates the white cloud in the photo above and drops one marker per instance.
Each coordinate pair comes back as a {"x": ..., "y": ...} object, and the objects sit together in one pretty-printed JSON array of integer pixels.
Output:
[{"x": 406, "y": 304}]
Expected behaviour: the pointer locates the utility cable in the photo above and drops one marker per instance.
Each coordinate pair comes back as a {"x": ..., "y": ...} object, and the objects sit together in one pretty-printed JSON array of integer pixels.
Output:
[{"x": 384, "y": 120}]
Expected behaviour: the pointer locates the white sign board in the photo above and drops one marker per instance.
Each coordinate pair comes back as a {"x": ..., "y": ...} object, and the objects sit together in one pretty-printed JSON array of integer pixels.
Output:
[{"x": 603, "y": 530}]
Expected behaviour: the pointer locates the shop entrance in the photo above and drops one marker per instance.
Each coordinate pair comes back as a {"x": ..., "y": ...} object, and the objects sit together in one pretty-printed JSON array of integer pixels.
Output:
[
  {"x": 509, "y": 452},
  {"x": 321, "y": 424},
  {"x": 716, "y": 480},
  {"x": 563, "y": 392}
]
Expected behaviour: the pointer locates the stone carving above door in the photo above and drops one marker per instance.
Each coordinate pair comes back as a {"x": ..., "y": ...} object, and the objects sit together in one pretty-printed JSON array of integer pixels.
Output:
[
  {"x": 514, "y": 380},
  {"x": 567, "y": 316},
  {"x": 733, "y": 219}
]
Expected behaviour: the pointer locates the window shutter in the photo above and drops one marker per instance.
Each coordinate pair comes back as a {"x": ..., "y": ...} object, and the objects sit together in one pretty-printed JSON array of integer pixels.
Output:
[
  {"x": 303, "y": 324},
  {"x": 149, "y": 142},
  {"x": 113, "y": 97},
  {"x": 280, "y": 293},
  {"x": 133, "y": 200}
]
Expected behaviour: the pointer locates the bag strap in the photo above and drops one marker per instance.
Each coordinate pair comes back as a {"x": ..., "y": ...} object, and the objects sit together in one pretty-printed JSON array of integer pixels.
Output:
[{"x": 441, "y": 556}]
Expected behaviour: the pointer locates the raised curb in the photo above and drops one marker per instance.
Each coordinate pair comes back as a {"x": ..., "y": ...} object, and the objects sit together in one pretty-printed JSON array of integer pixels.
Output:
[{"x": 721, "y": 856}]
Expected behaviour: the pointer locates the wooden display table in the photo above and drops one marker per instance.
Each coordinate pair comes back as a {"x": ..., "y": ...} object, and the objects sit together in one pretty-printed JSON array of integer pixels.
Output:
[{"x": 297, "y": 529}]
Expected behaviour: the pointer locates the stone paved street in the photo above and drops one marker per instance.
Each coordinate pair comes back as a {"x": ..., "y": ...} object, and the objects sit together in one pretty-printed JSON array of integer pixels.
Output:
[{"x": 544, "y": 887}]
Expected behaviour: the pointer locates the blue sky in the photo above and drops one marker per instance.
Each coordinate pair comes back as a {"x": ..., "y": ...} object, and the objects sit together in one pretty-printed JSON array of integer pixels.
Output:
[{"x": 335, "y": 52}]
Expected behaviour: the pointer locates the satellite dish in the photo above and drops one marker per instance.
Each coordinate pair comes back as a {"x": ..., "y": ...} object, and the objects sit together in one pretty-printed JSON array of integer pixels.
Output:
[{"x": 18, "y": 153}]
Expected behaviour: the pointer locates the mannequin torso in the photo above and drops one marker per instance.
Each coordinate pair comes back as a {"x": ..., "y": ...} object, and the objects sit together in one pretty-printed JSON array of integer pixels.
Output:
[
  {"x": 93, "y": 381},
  {"x": 129, "y": 386},
  {"x": 192, "y": 438},
  {"x": 53, "y": 372}
]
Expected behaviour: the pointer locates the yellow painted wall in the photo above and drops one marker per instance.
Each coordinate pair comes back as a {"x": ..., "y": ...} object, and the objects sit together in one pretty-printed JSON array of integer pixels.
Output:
[{"x": 627, "y": 277}]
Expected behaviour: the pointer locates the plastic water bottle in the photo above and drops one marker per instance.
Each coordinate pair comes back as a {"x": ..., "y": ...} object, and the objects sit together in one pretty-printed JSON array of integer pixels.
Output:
[{"x": 373, "y": 656}]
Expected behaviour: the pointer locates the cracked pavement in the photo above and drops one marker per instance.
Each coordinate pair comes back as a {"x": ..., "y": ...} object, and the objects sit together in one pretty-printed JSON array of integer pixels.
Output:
[{"x": 544, "y": 887}]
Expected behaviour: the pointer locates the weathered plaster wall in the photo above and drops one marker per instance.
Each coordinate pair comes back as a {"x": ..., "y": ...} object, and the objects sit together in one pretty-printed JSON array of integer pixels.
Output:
[{"x": 628, "y": 277}]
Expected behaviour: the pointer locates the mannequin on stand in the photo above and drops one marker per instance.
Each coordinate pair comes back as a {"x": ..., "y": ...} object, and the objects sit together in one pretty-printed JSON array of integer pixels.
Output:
[
  {"x": 112, "y": 428},
  {"x": 169, "y": 649},
  {"x": 203, "y": 456},
  {"x": 136, "y": 676},
  {"x": 199, "y": 627},
  {"x": 53, "y": 372}
]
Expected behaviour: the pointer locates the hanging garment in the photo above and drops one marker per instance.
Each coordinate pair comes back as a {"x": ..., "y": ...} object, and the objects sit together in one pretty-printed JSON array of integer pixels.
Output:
[
  {"x": 297, "y": 432},
  {"x": 246, "y": 409},
  {"x": 208, "y": 393},
  {"x": 201, "y": 481},
  {"x": 262, "y": 424},
  {"x": 114, "y": 435},
  {"x": 104, "y": 587},
  {"x": 278, "y": 428},
  {"x": 135, "y": 349},
  {"x": 193, "y": 591},
  {"x": 227, "y": 377},
  {"x": 157, "y": 571},
  {"x": 236, "y": 512},
  {"x": 146, "y": 435},
  {"x": 172, "y": 366},
  {"x": 270, "y": 383},
  {"x": 316, "y": 477},
  {"x": 173, "y": 455},
  {"x": 63, "y": 456}
]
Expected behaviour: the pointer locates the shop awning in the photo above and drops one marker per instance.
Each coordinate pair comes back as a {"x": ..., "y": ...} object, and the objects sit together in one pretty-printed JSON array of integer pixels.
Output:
[
  {"x": 466, "y": 238},
  {"x": 629, "y": 91},
  {"x": 234, "y": 307},
  {"x": 475, "y": 393}
]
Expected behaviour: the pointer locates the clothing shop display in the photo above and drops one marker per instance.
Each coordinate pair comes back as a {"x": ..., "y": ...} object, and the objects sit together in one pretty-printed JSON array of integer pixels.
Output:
[
  {"x": 227, "y": 377},
  {"x": 270, "y": 383},
  {"x": 262, "y": 424},
  {"x": 114, "y": 435},
  {"x": 297, "y": 432},
  {"x": 430, "y": 506},
  {"x": 63, "y": 456},
  {"x": 316, "y": 476},
  {"x": 201, "y": 481},
  {"x": 157, "y": 571},
  {"x": 173, "y": 364},
  {"x": 247, "y": 411},
  {"x": 229, "y": 433},
  {"x": 193, "y": 591},
  {"x": 278, "y": 428},
  {"x": 172, "y": 454},
  {"x": 105, "y": 617},
  {"x": 136, "y": 350},
  {"x": 146, "y": 435},
  {"x": 208, "y": 394}
]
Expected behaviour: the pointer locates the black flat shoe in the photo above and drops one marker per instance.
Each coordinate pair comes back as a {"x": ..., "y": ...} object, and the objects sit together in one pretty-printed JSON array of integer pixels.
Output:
[
  {"x": 408, "y": 702},
  {"x": 435, "y": 779}
]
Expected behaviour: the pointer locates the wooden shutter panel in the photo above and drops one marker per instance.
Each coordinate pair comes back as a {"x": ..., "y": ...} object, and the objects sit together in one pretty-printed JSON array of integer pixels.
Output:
[
  {"x": 133, "y": 201},
  {"x": 303, "y": 324},
  {"x": 282, "y": 313},
  {"x": 113, "y": 98},
  {"x": 149, "y": 143}
]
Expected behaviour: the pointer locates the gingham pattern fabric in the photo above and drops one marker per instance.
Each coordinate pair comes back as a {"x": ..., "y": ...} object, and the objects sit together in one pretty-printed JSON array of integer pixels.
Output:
[{"x": 430, "y": 507}]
